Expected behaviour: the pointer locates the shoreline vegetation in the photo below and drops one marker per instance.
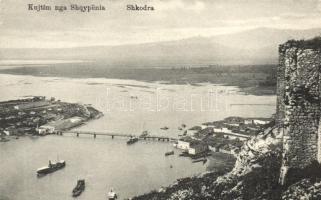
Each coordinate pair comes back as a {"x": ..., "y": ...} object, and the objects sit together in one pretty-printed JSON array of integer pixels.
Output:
[{"x": 251, "y": 79}]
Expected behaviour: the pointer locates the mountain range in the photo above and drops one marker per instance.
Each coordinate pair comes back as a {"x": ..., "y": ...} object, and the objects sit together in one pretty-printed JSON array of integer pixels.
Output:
[{"x": 256, "y": 46}]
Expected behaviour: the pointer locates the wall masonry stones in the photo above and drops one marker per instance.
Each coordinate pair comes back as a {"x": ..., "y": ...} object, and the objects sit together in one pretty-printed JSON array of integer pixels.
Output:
[{"x": 298, "y": 105}]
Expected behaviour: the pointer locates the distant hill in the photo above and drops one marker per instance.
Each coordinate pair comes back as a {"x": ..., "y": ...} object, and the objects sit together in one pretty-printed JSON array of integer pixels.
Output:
[
  {"x": 257, "y": 46},
  {"x": 264, "y": 37}
]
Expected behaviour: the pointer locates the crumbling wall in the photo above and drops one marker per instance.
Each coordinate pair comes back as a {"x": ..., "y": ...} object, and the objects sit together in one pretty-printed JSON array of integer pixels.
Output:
[
  {"x": 298, "y": 105},
  {"x": 280, "y": 88}
]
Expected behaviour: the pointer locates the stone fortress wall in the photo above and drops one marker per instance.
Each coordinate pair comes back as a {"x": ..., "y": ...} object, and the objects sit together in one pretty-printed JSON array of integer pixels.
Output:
[{"x": 298, "y": 103}]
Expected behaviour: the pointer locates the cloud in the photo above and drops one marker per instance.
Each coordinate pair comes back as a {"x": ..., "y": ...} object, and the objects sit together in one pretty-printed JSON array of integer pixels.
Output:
[
  {"x": 171, "y": 19},
  {"x": 318, "y": 6}
]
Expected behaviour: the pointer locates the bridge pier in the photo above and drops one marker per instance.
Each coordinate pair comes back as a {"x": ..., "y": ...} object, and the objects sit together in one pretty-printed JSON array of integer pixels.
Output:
[
  {"x": 95, "y": 136},
  {"x": 77, "y": 134},
  {"x": 112, "y": 137}
]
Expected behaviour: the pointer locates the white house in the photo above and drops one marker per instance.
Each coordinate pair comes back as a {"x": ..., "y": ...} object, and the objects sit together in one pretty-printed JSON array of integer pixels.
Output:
[
  {"x": 222, "y": 130},
  {"x": 235, "y": 125},
  {"x": 185, "y": 143},
  {"x": 46, "y": 129},
  {"x": 262, "y": 122}
]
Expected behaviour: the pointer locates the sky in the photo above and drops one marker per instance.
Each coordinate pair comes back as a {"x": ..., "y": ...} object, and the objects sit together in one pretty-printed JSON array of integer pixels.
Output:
[{"x": 171, "y": 20}]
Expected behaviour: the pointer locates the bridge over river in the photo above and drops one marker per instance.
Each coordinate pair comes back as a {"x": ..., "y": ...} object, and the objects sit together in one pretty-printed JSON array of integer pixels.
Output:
[{"x": 113, "y": 135}]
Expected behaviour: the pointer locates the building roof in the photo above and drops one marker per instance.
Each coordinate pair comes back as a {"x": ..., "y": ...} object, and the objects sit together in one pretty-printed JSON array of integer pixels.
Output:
[
  {"x": 189, "y": 140},
  {"x": 46, "y": 126},
  {"x": 198, "y": 144},
  {"x": 206, "y": 130},
  {"x": 208, "y": 123},
  {"x": 186, "y": 139}
]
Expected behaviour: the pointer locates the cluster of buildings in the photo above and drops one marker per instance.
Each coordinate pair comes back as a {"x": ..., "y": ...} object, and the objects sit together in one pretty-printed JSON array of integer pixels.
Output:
[
  {"x": 226, "y": 136},
  {"x": 38, "y": 115}
]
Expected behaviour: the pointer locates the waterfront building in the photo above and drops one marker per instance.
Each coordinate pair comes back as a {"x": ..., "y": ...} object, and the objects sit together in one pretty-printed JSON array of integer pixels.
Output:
[
  {"x": 185, "y": 142},
  {"x": 197, "y": 149}
]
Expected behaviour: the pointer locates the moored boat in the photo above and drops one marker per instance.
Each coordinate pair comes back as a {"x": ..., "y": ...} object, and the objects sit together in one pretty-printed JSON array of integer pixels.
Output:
[
  {"x": 164, "y": 128},
  {"x": 52, "y": 167},
  {"x": 144, "y": 134},
  {"x": 201, "y": 155},
  {"x": 112, "y": 195},
  {"x": 132, "y": 140},
  {"x": 204, "y": 160},
  {"x": 184, "y": 154},
  {"x": 80, "y": 187},
  {"x": 169, "y": 153}
]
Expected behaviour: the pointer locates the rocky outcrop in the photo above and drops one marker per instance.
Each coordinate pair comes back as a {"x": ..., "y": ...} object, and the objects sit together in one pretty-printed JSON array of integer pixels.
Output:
[
  {"x": 254, "y": 176},
  {"x": 256, "y": 171},
  {"x": 306, "y": 189}
]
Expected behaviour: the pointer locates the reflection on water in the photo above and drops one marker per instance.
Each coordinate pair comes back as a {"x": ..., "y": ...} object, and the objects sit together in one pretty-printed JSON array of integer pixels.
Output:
[{"x": 129, "y": 107}]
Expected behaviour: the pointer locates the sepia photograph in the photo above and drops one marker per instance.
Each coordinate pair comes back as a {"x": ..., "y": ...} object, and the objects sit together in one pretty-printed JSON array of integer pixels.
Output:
[{"x": 160, "y": 99}]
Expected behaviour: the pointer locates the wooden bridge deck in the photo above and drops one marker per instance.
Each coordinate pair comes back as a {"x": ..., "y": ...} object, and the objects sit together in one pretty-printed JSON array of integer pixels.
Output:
[{"x": 112, "y": 135}]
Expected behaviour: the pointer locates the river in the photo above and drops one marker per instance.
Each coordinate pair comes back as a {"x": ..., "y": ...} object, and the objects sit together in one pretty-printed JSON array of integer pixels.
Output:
[{"x": 129, "y": 106}]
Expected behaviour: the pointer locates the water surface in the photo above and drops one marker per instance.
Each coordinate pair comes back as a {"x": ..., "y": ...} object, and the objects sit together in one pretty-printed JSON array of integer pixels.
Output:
[{"x": 129, "y": 107}]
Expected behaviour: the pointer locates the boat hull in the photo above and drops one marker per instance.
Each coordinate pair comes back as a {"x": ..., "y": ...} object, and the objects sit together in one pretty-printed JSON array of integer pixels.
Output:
[
  {"x": 51, "y": 168},
  {"x": 132, "y": 141},
  {"x": 169, "y": 153},
  {"x": 80, "y": 187}
]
